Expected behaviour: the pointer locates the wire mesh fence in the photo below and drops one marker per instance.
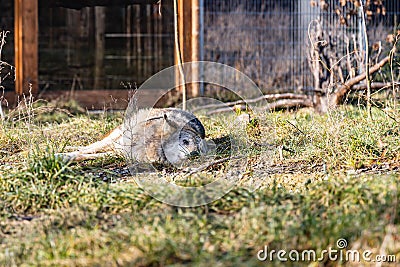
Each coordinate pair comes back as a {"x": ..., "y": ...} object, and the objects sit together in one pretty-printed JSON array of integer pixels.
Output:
[
  {"x": 135, "y": 42},
  {"x": 272, "y": 41}
]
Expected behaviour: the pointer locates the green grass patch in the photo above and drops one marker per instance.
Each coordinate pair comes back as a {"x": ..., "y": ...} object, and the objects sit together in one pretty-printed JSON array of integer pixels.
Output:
[{"x": 319, "y": 178}]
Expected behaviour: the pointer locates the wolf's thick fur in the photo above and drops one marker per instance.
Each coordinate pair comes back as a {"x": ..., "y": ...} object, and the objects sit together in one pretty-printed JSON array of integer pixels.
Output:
[{"x": 166, "y": 136}]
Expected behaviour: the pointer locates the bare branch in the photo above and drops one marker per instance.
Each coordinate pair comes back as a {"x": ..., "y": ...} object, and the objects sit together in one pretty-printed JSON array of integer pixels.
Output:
[
  {"x": 374, "y": 86},
  {"x": 339, "y": 94}
]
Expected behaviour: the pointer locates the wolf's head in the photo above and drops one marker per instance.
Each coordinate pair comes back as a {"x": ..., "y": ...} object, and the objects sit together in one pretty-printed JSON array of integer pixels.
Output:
[{"x": 187, "y": 138}]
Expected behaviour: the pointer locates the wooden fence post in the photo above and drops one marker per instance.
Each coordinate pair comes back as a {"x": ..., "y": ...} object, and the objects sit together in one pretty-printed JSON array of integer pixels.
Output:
[
  {"x": 26, "y": 46},
  {"x": 188, "y": 20}
]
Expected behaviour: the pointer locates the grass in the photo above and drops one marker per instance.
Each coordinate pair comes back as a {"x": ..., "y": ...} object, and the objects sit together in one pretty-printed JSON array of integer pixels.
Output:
[{"x": 337, "y": 177}]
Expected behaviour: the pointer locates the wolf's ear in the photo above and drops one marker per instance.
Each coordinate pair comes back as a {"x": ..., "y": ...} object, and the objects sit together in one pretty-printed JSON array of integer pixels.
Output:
[
  {"x": 171, "y": 123},
  {"x": 189, "y": 123},
  {"x": 196, "y": 126}
]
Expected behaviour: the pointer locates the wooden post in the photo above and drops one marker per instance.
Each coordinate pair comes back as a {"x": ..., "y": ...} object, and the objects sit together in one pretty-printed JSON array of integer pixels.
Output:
[
  {"x": 195, "y": 43},
  {"x": 26, "y": 46},
  {"x": 188, "y": 20}
]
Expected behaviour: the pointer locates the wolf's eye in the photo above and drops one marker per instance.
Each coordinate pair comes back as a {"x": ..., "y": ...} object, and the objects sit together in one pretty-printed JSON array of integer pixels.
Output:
[{"x": 185, "y": 142}]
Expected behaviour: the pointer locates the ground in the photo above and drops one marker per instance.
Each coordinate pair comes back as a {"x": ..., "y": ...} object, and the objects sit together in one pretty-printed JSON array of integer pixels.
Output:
[{"x": 309, "y": 181}]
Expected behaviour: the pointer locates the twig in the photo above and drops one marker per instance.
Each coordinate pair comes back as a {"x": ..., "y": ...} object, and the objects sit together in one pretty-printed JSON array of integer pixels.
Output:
[
  {"x": 274, "y": 146},
  {"x": 348, "y": 59},
  {"x": 206, "y": 166},
  {"x": 3, "y": 35},
  {"x": 297, "y": 128},
  {"x": 2, "y": 116},
  {"x": 367, "y": 72},
  {"x": 391, "y": 55}
]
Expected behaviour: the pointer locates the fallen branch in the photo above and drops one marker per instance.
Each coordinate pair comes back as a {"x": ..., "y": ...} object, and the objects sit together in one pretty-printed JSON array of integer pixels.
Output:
[
  {"x": 283, "y": 103},
  {"x": 289, "y": 103},
  {"x": 251, "y": 101}
]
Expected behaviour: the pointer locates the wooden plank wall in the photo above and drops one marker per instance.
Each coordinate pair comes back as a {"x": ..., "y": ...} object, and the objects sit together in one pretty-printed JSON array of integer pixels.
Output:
[{"x": 26, "y": 42}]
